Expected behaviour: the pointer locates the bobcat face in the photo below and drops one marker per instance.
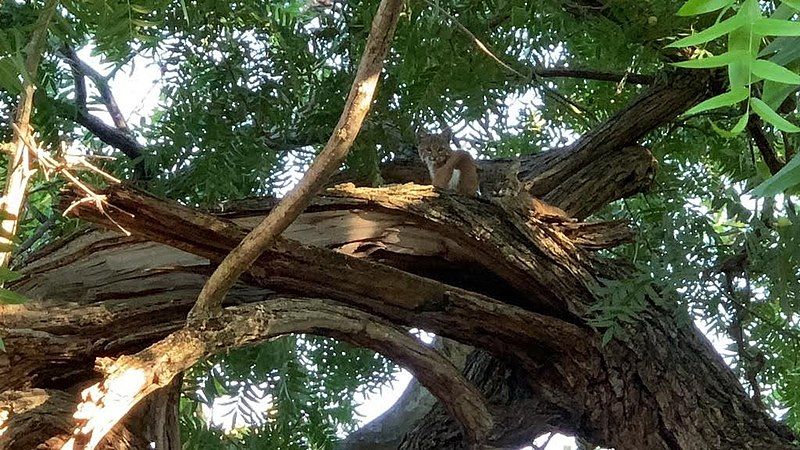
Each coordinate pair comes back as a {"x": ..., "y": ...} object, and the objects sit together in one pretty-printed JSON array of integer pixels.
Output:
[
  {"x": 501, "y": 180},
  {"x": 434, "y": 149}
]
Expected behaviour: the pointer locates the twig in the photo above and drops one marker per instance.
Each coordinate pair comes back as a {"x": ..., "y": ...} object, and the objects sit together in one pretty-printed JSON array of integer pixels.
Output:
[
  {"x": 528, "y": 78},
  {"x": 328, "y": 161},
  {"x": 50, "y": 165}
]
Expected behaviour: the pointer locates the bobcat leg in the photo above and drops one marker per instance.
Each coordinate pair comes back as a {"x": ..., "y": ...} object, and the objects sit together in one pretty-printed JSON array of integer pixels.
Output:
[{"x": 468, "y": 173}]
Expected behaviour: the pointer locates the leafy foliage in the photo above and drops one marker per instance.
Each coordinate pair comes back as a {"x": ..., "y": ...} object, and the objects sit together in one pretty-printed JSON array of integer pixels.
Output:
[
  {"x": 746, "y": 30},
  {"x": 251, "y": 89}
]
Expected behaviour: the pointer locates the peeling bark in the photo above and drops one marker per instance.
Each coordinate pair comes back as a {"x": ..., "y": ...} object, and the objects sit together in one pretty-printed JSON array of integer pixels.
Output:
[
  {"x": 518, "y": 289},
  {"x": 664, "y": 388}
]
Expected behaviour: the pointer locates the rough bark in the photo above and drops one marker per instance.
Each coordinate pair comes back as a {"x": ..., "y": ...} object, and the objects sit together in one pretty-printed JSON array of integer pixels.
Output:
[
  {"x": 516, "y": 288},
  {"x": 665, "y": 388}
]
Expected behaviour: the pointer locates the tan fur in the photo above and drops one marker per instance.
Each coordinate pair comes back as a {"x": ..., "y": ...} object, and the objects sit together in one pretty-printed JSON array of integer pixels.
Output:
[
  {"x": 449, "y": 169},
  {"x": 501, "y": 185}
]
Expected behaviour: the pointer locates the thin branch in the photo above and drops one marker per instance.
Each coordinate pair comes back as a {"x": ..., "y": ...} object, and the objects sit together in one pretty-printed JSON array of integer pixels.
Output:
[
  {"x": 328, "y": 161},
  {"x": 19, "y": 167},
  {"x": 591, "y": 74},
  {"x": 768, "y": 153},
  {"x": 131, "y": 378},
  {"x": 79, "y": 78},
  {"x": 788, "y": 147},
  {"x": 101, "y": 83},
  {"x": 119, "y": 136},
  {"x": 108, "y": 134},
  {"x": 485, "y": 49}
]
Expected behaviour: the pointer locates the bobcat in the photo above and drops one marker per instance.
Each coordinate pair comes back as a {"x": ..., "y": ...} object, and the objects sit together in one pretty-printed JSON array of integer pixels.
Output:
[
  {"x": 499, "y": 184},
  {"x": 449, "y": 169}
]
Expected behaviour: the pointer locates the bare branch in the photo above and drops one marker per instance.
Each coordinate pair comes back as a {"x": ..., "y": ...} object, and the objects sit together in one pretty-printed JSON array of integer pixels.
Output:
[
  {"x": 119, "y": 136},
  {"x": 591, "y": 74},
  {"x": 768, "y": 153},
  {"x": 130, "y": 378},
  {"x": 326, "y": 163},
  {"x": 83, "y": 70},
  {"x": 79, "y": 78},
  {"x": 485, "y": 49}
]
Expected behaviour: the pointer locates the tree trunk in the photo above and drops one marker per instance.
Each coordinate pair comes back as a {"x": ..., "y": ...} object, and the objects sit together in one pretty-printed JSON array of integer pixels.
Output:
[{"x": 514, "y": 287}]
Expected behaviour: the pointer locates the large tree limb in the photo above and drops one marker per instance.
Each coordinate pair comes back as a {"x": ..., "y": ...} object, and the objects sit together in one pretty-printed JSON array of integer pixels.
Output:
[
  {"x": 324, "y": 165},
  {"x": 620, "y": 379},
  {"x": 130, "y": 378}
]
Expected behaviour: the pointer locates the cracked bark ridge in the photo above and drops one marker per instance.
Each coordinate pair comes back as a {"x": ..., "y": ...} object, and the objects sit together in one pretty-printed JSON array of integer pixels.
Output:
[{"x": 665, "y": 383}]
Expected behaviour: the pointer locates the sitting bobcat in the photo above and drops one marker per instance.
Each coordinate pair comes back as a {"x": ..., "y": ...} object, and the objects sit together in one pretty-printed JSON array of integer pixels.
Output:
[
  {"x": 449, "y": 169},
  {"x": 500, "y": 185}
]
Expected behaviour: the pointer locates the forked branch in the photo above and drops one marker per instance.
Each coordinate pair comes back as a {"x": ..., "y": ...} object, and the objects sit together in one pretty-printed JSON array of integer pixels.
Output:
[{"x": 131, "y": 378}]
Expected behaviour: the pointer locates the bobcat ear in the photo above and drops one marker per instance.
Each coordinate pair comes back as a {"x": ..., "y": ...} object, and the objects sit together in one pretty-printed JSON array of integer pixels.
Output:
[
  {"x": 447, "y": 134},
  {"x": 421, "y": 133}
]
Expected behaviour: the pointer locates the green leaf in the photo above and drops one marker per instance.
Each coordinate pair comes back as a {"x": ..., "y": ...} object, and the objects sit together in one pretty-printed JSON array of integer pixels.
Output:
[
  {"x": 783, "y": 12},
  {"x": 774, "y": 93},
  {"x": 786, "y": 50},
  {"x": 739, "y": 71},
  {"x": 735, "y": 131},
  {"x": 727, "y": 99},
  {"x": 787, "y": 177},
  {"x": 768, "y": 114},
  {"x": 714, "y": 61},
  {"x": 768, "y": 70},
  {"x": 793, "y": 3},
  {"x": 10, "y": 297},
  {"x": 9, "y": 76},
  {"x": 775, "y": 27},
  {"x": 2, "y": 345},
  {"x": 697, "y": 7},
  {"x": 709, "y": 34},
  {"x": 185, "y": 11},
  {"x": 607, "y": 336}
]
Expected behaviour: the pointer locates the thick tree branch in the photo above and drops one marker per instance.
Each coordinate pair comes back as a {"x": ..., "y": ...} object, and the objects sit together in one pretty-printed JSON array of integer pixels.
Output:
[
  {"x": 648, "y": 397},
  {"x": 20, "y": 169},
  {"x": 119, "y": 139},
  {"x": 130, "y": 378},
  {"x": 324, "y": 165}
]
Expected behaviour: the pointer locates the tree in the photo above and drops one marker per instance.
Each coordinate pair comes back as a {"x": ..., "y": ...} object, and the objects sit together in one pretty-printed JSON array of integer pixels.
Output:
[{"x": 584, "y": 327}]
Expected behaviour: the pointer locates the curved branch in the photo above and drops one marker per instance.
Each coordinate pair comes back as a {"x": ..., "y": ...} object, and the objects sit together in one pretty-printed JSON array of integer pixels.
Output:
[
  {"x": 756, "y": 130},
  {"x": 130, "y": 378},
  {"x": 82, "y": 70},
  {"x": 325, "y": 164}
]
